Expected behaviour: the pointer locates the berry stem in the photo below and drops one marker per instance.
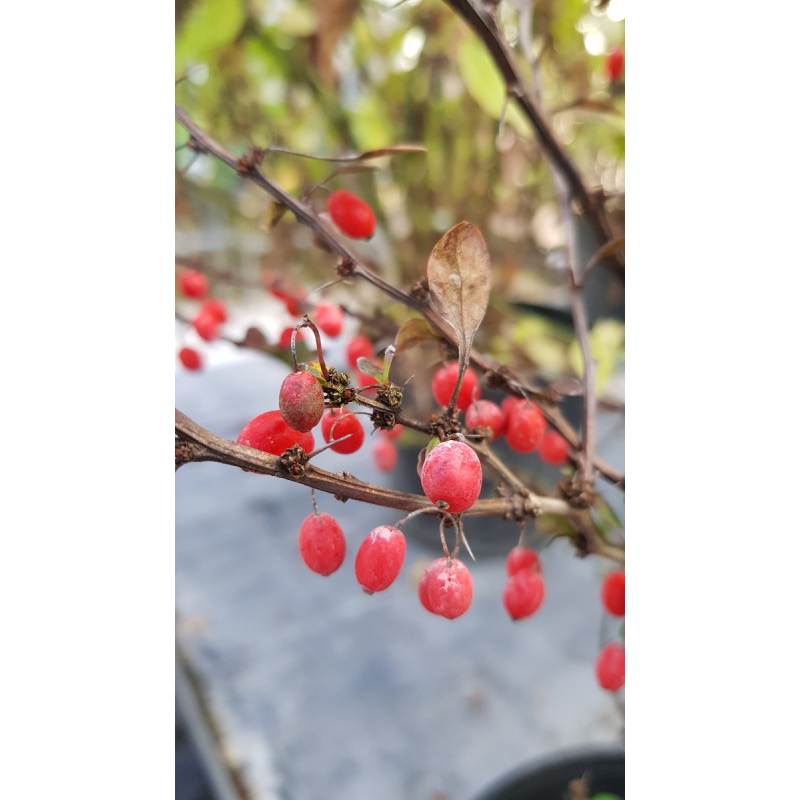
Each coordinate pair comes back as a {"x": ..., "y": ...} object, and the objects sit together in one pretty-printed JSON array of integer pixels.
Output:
[
  {"x": 307, "y": 323},
  {"x": 314, "y": 500},
  {"x": 330, "y": 444}
]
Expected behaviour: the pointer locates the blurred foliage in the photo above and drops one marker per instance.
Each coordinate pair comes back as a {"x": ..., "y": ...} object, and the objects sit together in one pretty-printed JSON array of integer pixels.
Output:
[{"x": 329, "y": 77}]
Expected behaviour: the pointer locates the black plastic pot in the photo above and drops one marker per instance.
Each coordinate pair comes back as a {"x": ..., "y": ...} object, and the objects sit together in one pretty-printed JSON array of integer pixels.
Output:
[{"x": 548, "y": 778}]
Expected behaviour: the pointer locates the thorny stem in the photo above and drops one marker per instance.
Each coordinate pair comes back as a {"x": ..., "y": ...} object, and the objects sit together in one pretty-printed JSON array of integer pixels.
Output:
[{"x": 504, "y": 378}]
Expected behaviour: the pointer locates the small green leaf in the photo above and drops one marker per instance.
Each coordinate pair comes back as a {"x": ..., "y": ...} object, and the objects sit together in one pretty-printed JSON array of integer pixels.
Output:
[{"x": 370, "y": 368}]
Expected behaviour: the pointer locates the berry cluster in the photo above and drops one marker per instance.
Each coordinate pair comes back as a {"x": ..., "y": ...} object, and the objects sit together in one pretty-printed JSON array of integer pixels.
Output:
[
  {"x": 610, "y": 664},
  {"x": 208, "y": 320},
  {"x": 524, "y": 590},
  {"x": 521, "y": 421}
]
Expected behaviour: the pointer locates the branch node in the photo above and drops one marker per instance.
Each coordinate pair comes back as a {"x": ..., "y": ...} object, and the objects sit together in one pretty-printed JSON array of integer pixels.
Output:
[
  {"x": 294, "y": 460},
  {"x": 184, "y": 452},
  {"x": 345, "y": 268}
]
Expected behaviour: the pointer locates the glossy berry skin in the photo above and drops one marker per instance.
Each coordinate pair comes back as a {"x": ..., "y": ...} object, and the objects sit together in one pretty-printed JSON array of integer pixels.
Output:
[
  {"x": 444, "y": 381},
  {"x": 270, "y": 433},
  {"x": 450, "y": 589},
  {"x": 359, "y": 347},
  {"x": 322, "y": 543},
  {"x": 384, "y": 453},
  {"x": 329, "y": 319},
  {"x": 207, "y": 326},
  {"x": 216, "y": 308},
  {"x": 351, "y": 215},
  {"x": 193, "y": 283},
  {"x": 526, "y": 427},
  {"x": 522, "y": 559},
  {"x": 615, "y": 64},
  {"x": 452, "y": 472},
  {"x": 554, "y": 449},
  {"x": 380, "y": 558},
  {"x": 523, "y": 594},
  {"x": 301, "y": 401},
  {"x": 190, "y": 358},
  {"x": 612, "y": 593},
  {"x": 610, "y": 667},
  {"x": 424, "y": 582},
  {"x": 346, "y": 423},
  {"x": 485, "y": 414}
]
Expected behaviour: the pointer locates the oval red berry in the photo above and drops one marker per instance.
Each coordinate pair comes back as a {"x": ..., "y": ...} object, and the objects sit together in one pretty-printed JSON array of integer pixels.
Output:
[
  {"x": 337, "y": 423},
  {"x": 610, "y": 667},
  {"x": 612, "y": 593},
  {"x": 444, "y": 383},
  {"x": 452, "y": 472},
  {"x": 380, "y": 558},
  {"x": 351, "y": 215},
  {"x": 522, "y": 558},
  {"x": 523, "y": 594},
  {"x": 322, "y": 543},
  {"x": 301, "y": 401},
  {"x": 450, "y": 589},
  {"x": 190, "y": 358},
  {"x": 193, "y": 283}
]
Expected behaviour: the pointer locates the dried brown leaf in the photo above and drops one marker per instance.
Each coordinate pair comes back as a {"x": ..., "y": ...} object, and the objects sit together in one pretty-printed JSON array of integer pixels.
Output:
[
  {"x": 567, "y": 385},
  {"x": 412, "y": 333},
  {"x": 254, "y": 339},
  {"x": 459, "y": 280}
]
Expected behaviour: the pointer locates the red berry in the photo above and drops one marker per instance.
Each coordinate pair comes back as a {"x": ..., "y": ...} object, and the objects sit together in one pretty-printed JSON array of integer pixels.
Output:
[
  {"x": 286, "y": 338},
  {"x": 507, "y": 407},
  {"x": 322, "y": 543},
  {"x": 523, "y": 594},
  {"x": 190, "y": 358},
  {"x": 359, "y": 347},
  {"x": 525, "y": 428},
  {"x": 612, "y": 593},
  {"x": 301, "y": 400},
  {"x": 207, "y": 326},
  {"x": 270, "y": 433},
  {"x": 394, "y": 433},
  {"x": 615, "y": 64},
  {"x": 485, "y": 414},
  {"x": 554, "y": 448},
  {"x": 610, "y": 667},
  {"x": 216, "y": 308},
  {"x": 522, "y": 558},
  {"x": 385, "y": 454},
  {"x": 424, "y": 582},
  {"x": 380, "y": 558},
  {"x": 345, "y": 423},
  {"x": 351, "y": 215},
  {"x": 452, "y": 472},
  {"x": 329, "y": 319},
  {"x": 286, "y": 296},
  {"x": 449, "y": 589},
  {"x": 444, "y": 382},
  {"x": 193, "y": 283}
]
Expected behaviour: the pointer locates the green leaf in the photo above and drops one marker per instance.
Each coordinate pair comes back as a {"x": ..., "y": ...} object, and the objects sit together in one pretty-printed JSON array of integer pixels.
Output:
[
  {"x": 210, "y": 27},
  {"x": 486, "y": 85},
  {"x": 370, "y": 368},
  {"x": 606, "y": 341}
]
